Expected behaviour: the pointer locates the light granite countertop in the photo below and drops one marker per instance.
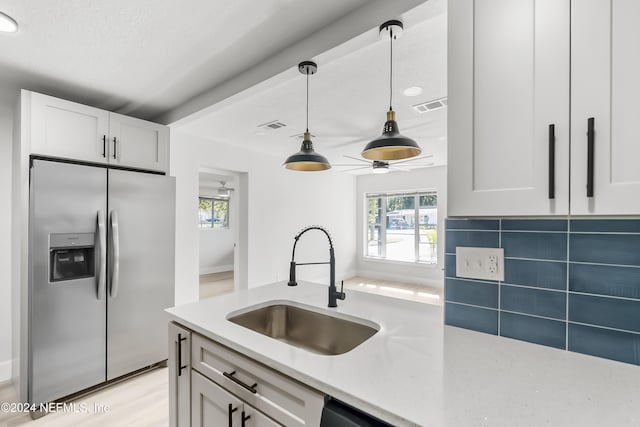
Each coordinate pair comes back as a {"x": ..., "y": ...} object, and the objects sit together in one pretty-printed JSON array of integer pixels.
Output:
[{"x": 416, "y": 371}]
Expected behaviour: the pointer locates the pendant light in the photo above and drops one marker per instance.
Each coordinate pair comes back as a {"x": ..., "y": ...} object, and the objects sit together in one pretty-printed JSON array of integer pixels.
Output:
[
  {"x": 307, "y": 160},
  {"x": 391, "y": 145}
]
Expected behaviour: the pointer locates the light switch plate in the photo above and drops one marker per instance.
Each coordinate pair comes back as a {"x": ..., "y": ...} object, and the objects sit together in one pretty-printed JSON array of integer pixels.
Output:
[{"x": 480, "y": 263}]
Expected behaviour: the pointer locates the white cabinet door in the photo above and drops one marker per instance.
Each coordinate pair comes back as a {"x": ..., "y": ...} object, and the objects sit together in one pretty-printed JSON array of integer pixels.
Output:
[
  {"x": 605, "y": 81},
  {"x": 179, "y": 376},
  {"x": 252, "y": 418},
  {"x": 508, "y": 82},
  {"x": 211, "y": 405},
  {"x": 137, "y": 143},
  {"x": 65, "y": 129}
]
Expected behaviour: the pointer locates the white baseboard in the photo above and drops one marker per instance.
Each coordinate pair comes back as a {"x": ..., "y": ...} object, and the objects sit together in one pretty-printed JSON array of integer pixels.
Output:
[
  {"x": 401, "y": 278},
  {"x": 5, "y": 371},
  {"x": 216, "y": 269}
]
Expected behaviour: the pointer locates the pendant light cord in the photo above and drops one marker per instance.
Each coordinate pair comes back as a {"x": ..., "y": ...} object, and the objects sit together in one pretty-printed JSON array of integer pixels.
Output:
[
  {"x": 307, "y": 99},
  {"x": 391, "y": 71}
]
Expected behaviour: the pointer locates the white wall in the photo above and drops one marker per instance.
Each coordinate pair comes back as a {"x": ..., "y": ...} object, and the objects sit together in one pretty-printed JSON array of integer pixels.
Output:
[
  {"x": 280, "y": 203},
  {"x": 6, "y": 125},
  {"x": 420, "y": 179},
  {"x": 216, "y": 244}
]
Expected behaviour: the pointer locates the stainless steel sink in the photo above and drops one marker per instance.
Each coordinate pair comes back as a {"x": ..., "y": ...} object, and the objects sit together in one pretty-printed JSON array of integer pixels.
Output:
[{"x": 315, "y": 332}]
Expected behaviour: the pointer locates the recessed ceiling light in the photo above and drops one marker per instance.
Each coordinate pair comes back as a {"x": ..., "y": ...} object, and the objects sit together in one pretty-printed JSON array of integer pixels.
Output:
[
  {"x": 7, "y": 24},
  {"x": 412, "y": 91}
]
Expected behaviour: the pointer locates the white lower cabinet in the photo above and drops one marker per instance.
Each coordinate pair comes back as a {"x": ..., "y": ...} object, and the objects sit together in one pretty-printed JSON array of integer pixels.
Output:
[
  {"x": 229, "y": 389},
  {"x": 211, "y": 405}
]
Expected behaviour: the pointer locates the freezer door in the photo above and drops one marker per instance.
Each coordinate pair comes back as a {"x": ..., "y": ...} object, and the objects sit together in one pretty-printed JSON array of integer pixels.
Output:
[
  {"x": 67, "y": 317},
  {"x": 141, "y": 262}
]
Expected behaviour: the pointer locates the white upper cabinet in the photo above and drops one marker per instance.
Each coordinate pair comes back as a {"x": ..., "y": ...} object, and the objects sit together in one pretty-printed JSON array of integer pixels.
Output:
[
  {"x": 508, "y": 86},
  {"x": 74, "y": 131},
  {"x": 137, "y": 143},
  {"x": 65, "y": 129},
  {"x": 512, "y": 66},
  {"x": 605, "y": 80}
]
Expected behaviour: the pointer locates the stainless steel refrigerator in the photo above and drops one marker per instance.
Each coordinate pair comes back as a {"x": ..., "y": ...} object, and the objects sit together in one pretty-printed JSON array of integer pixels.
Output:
[{"x": 101, "y": 274}]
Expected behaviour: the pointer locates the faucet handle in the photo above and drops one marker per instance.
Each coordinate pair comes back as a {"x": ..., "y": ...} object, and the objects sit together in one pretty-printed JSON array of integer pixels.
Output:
[{"x": 341, "y": 295}]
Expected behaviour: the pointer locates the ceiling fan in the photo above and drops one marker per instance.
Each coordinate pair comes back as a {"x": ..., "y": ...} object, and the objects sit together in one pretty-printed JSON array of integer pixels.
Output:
[
  {"x": 384, "y": 166},
  {"x": 223, "y": 190}
]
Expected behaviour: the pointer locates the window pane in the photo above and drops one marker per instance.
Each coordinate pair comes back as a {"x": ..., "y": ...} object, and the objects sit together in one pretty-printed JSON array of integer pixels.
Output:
[
  {"x": 220, "y": 213},
  {"x": 428, "y": 212},
  {"x": 400, "y": 228},
  {"x": 374, "y": 214},
  {"x": 205, "y": 213}
]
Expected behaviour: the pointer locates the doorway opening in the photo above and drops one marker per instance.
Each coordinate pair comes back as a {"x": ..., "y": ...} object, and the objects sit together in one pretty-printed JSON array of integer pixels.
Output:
[{"x": 221, "y": 231}]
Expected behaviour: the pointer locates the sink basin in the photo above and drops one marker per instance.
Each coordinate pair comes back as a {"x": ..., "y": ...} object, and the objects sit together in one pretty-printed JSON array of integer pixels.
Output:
[{"x": 310, "y": 330}]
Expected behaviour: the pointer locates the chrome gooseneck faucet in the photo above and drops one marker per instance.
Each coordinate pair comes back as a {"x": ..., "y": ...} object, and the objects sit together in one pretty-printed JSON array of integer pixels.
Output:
[{"x": 334, "y": 295}]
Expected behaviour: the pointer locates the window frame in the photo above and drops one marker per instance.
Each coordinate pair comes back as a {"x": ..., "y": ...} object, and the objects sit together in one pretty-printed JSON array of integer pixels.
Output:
[
  {"x": 226, "y": 225},
  {"x": 383, "y": 196}
]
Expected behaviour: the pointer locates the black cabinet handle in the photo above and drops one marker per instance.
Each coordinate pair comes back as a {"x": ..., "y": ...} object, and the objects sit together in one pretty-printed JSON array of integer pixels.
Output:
[
  {"x": 590, "y": 155},
  {"x": 115, "y": 145},
  {"x": 230, "y": 411},
  {"x": 251, "y": 388},
  {"x": 104, "y": 146},
  {"x": 180, "y": 365},
  {"x": 244, "y": 418},
  {"x": 552, "y": 161}
]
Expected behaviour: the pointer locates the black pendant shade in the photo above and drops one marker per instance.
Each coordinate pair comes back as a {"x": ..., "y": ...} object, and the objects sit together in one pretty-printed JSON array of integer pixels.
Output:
[
  {"x": 391, "y": 145},
  {"x": 307, "y": 160}
]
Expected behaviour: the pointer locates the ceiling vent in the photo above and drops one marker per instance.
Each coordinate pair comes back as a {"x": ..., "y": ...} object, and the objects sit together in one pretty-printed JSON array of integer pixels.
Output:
[
  {"x": 272, "y": 125},
  {"x": 432, "y": 105}
]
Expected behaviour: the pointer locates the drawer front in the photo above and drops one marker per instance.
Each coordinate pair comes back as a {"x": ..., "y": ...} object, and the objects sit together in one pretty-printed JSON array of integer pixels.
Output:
[{"x": 281, "y": 398}]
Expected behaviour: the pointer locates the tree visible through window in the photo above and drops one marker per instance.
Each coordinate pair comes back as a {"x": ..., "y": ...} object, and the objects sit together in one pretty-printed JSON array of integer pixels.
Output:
[
  {"x": 402, "y": 227},
  {"x": 213, "y": 212}
]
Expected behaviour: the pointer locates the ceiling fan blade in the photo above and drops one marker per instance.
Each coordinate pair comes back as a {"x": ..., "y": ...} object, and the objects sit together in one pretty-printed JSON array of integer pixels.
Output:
[
  {"x": 396, "y": 168},
  {"x": 426, "y": 156},
  {"x": 356, "y": 169},
  {"x": 356, "y": 158},
  {"x": 350, "y": 164}
]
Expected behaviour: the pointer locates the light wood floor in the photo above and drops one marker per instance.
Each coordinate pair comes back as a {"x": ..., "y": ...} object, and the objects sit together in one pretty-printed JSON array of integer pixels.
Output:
[
  {"x": 141, "y": 401},
  {"x": 216, "y": 284},
  {"x": 408, "y": 291}
]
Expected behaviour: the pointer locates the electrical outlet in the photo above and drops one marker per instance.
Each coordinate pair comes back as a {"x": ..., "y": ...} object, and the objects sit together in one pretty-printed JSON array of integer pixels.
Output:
[{"x": 480, "y": 263}]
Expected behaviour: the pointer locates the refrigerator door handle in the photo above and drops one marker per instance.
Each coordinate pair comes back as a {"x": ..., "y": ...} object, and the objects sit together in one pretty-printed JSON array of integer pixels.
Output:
[
  {"x": 102, "y": 273},
  {"x": 115, "y": 252}
]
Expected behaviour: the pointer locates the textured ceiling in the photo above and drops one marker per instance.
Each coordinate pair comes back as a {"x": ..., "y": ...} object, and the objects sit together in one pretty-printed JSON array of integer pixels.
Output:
[
  {"x": 348, "y": 96},
  {"x": 146, "y": 57}
]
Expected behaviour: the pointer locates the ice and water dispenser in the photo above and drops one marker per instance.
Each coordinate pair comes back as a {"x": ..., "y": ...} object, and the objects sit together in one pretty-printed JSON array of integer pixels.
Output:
[{"x": 71, "y": 256}]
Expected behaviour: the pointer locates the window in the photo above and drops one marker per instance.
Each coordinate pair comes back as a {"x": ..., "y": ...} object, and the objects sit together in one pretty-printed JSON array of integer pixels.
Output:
[
  {"x": 213, "y": 212},
  {"x": 402, "y": 227}
]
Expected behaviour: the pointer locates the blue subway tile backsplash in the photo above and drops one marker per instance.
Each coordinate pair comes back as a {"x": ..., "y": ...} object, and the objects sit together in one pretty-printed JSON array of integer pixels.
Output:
[
  {"x": 539, "y": 274},
  {"x": 479, "y": 239},
  {"x": 608, "y": 280},
  {"x": 538, "y": 302},
  {"x": 484, "y": 294},
  {"x": 572, "y": 284},
  {"x": 615, "y": 345},
  {"x": 533, "y": 329},
  {"x": 552, "y": 246},
  {"x": 468, "y": 317},
  {"x": 621, "y": 249}
]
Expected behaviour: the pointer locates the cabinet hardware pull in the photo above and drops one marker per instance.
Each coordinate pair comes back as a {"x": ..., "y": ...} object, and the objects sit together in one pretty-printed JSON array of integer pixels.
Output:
[
  {"x": 590, "y": 155},
  {"x": 244, "y": 418},
  {"x": 230, "y": 412},
  {"x": 552, "y": 161},
  {"x": 180, "y": 365},
  {"x": 104, "y": 146},
  {"x": 115, "y": 144},
  {"x": 251, "y": 388}
]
